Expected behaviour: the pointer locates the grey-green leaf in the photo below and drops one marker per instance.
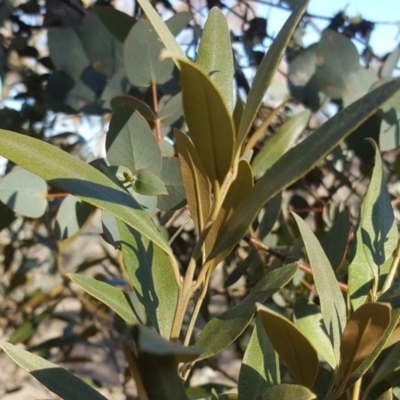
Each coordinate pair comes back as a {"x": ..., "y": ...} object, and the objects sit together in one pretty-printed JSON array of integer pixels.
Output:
[
  {"x": 281, "y": 142},
  {"x": 80, "y": 179},
  {"x": 333, "y": 306},
  {"x": 55, "y": 378},
  {"x": 111, "y": 296},
  {"x": 224, "y": 329},
  {"x": 215, "y": 55},
  {"x": 24, "y": 193},
  {"x": 142, "y": 49},
  {"x": 287, "y": 392},
  {"x": 260, "y": 366}
]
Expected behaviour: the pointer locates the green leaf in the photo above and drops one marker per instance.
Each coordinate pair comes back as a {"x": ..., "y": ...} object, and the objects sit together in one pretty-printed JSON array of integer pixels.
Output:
[
  {"x": 287, "y": 392},
  {"x": 358, "y": 84},
  {"x": 311, "y": 325},
  {"x": 71, "y": 217},
  {"x": 80, "y": 179},
  {"x": 364, "y": 330},
  {"x": 337, "y": 59},
  {"x": 178, "y": 22},
  {"x": 136, "y": 104},
  {"x": 293, "y": 165},
  {"x": 390, "y": 64},
  {"x": 151, "y": 342},
  {"x": 171, "y": 177},
  {"x": 152, "y": 275},
  {"x": 117, "y": 22},
  {"x": 333, "y": 306},
  {"x": 194, "y": 179},
  {"x": 111, "y": 296},
  {"x": 224, "y": 329},
  {"x": 266, "y": 71},
  {"x": 215, "y": 55},
  {"x": 55, "y": 378},
  {"x": 162, "y": 29},
  {"x": 24, "y": 193},
  {"x": 171, "y": 111},
  {"x": 147, "y": 183},
  {"x": 157, "y": 361},
  {"x": 281, "y": 142},
  {"x": 142, "y": 49},
  {"x": 210, "y": 124},
  {"x": 260, "y": 366},
  {"x": 377, "y": 224},
  {"x": 336, "y": 239},
  {"x": 293, "y": 348},
  {"x": 131, "y": 143}
]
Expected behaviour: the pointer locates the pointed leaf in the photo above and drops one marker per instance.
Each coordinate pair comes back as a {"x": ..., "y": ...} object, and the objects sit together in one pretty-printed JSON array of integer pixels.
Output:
[
  {"x": 142, "y": 49},
  {"x": 152, "y": 275},
  {"x": 310, "y": 323},
  {"x": 131, "y": 143},
  {"x": 195, "y": 182},
  {"x": 117, "y": 22},
  {"x": 215, "y": 55},
  {"x": 80, "y": 179},
  {"x": 147, "y": 183},
  {"x": 390, "y": 64},
  {"x": 293, "y": 165},
  {"x": 55, "y": 378},
  {"x": 162, "y": 29},
  {"x": 364, "y": 330},
  {"x": 111, "y": 296},
  {"x": 293, "y": 348},
  {"x": 260, "y": 366},
  {"x": 178, "y": 22},
  {"x": 281, "y": 142},
  {"x": 223, "y": 330},
  {"x": 287, "y": 392},
  {"x": 24, "y": 193},
  {"x": 333, "y": 306},
  {"x": 210, "y": 124},
  {"x": 378, "y": 227},
  {"x": 267, "y": 69}
]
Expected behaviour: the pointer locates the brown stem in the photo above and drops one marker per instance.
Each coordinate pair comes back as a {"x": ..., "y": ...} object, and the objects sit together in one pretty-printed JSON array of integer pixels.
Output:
[{"x": 157, "y": 123}]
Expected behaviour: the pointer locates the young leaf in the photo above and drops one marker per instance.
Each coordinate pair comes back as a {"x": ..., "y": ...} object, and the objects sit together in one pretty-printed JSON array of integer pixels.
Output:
[
  {"x": 293, "y": 164},
  {"x": 197, "y": 187},
  {"x": 287, "y": 392},
  {"x": 390, "y": 64},
  {"x": 215, "y": 55},
  {"x": 152, "y": 275},
  {"x": 147, "y": 183},
  {"x": 80, "y": 179},
  {"x": 266, "y": 71},
  {"x": 24, "y": 193},
  {"x": 223, "y": 330},
  {"x": 280, "y": 143},
  {"x": 364, "y": 330},
  {"x": 293, "y": 348},
  {"x": 162, "y": 29},
  {"x": 377, "y": 225},
  {"x": 111, "y": 296},
  {"x": 260, "y": 365},
  {"x": 55, "y": 378},
  {"x": 209, "y": 121},
  {"x": 309, "y": 322},
  {"x": 142, "y": 49},
  {"x": 333, "y": 306},
  {"x": 131, "y": 143}
]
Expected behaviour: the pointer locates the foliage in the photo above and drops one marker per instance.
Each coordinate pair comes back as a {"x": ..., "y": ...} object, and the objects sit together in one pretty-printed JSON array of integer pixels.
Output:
[{"x": 181, "y": 143}]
